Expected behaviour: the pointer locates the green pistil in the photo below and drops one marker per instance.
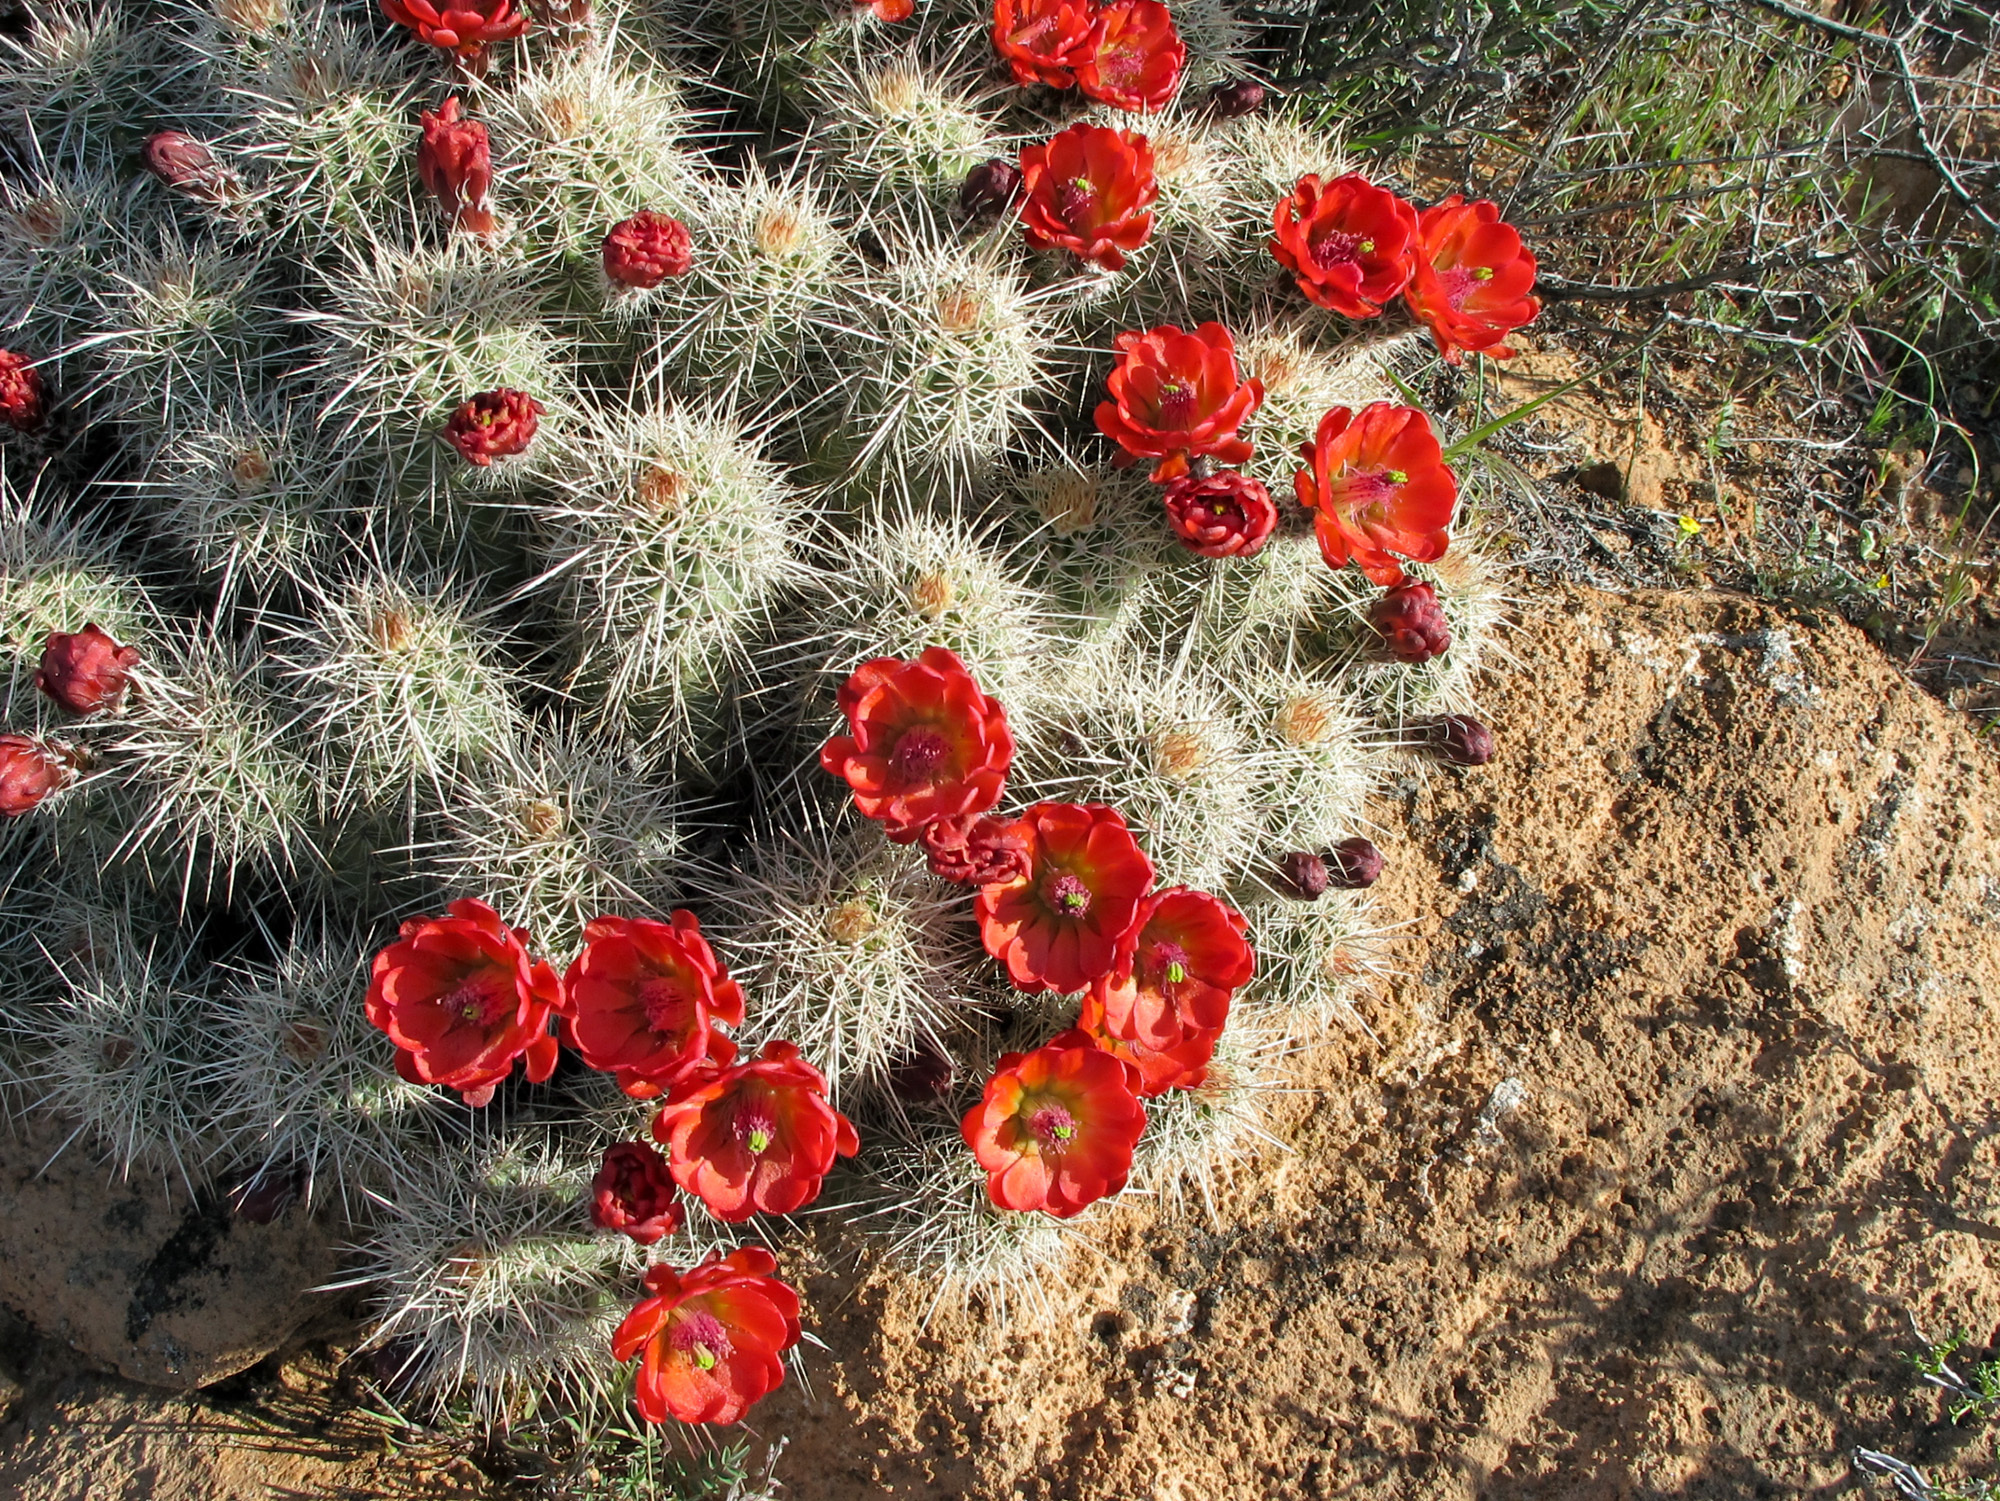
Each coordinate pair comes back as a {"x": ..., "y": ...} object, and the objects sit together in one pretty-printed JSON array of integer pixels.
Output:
[
  {"x": 704, "y": 1357},
  {"x": 1399, "y": 476},
  {"x": 1366, "y": 247},
  {"x": 1176, "y": 972},
  {"x": 1063, "y": 1133},
  {"x": 1482, "y": 273},
  {"x": 1075, "y": 901},
  {"x": 759, "y": 1140}
]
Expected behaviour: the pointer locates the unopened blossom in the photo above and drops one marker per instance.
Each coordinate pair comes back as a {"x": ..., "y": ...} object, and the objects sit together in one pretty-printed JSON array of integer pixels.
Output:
[
  {"x": 1411, "y": 622},
  {"x": 85, "y": 671},
  {"x": 30, "y": 770},
  {"x": 455, "y": 162},
  {"x": 646, "y": 249},
  {"x": 494, "y": 425},
  {"x": 24, "y": 403},
  {"x": 633, "y": 1194},
  {"x": 186, "y": 165},
  {"x": 1220, "y": 515}
]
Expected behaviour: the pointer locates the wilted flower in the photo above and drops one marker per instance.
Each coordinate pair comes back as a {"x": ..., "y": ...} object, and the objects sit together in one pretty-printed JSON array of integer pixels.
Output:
[
  {"x": 758, "y": 1136},
  {"x": 1175, "y": 396},
  {"x": 1055, "y": 1128},
  {"x": 85, "y": 671},
  {"x": 461, "y": 999},
  {"x": 1134, "y": 57},
  {"x": 494, "y": 425},
  {"x": 710, "y": 1338},
  {"x": 1378, "y": 485},
  {"x": 1089, "y": 190},
  {"x": 976, "y": 849},
  {"x": 1411, "y": 623},
  {"x": 30, "y": 770},
  {"x": 923, "y": 743},
  {"x": 1347, "y": 243},
  {"x": 644, "y": 998},
  {"x": 23, "y": 396},
  {"x": 1473, "y": 279},
  {"x": 1221, "y": 515},
  {"x": 1458, "y": 738},
  {"x": 1171, "y": 991},
  {"x": 455, "y": 162},
  {"x": 1042, "y": 40},
  {"x": 465, "y": 27},
  {"x": 1354, "y": 864},
  {"x": 186, "y": 164},
  {"x": 990, "y": 188},
  {"x": 646, "y": 249},
  {"x": 633, "y": 1193},
  {"x": 1060, "y": 926}
]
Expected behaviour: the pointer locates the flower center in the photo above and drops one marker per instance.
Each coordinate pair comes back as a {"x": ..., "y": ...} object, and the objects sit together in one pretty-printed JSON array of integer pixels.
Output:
[
  {"x": 1339, "y": 249},
  {"x": 1052, "y": 1126},
  {"x": 1176, "y": 406},
  {"x": 484, "y": 999},
  {"x": 1124, "y": 67},
  {"x": 701, "y": 1338},
  {"x": 1370, "y": 487},
  {"x": 1460, "y": 282},
  {"x": 756, "y": 1130},
  {"x": 1076, "y": 197},
  {"x": 1068, "y": 896},
  {"x": 1171, "y": 962},
  {"x": 918, "y": 754},
  {"x": 665, "y": 1001}
]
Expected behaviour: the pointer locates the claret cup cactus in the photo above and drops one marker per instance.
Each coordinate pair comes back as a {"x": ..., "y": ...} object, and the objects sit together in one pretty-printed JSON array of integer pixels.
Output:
[{"x": 625, "y": 622}]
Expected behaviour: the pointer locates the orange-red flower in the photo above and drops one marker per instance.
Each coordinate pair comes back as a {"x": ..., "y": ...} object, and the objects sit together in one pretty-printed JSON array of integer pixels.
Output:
[
  {"x": 924, "y": 743},
  {"x": 494, "y": 425},
  {"x": 976, "y": 850},
  {"x": 1378, "y": 485},
  {"x": 633, "y": 1193},
  {"x": 1173, "y": 985},
  {"x": 1134, "y": 58},
  {"x": 30, "y": 770},
  {"x": 756, "y": 1136},
  {"x": 461, "y": 26},
  {"x": 646, "y": 249},
  {"x": 1060, "y": 926},
  {"x": 1090, "y": 190},
  {"x": 86, "y": 670},
  {"x": 888, "y": 10},
  {"x": 1055, "y": 1128},
  {"x": 1154, "y": 1070},
  {"x": 1042, "y": 40},
  {"x": 455, "y": 163},
  {"x": 710, "y": 1338},
  {"x": 1175, "y": 396},
  {"x": 1347, "y": 243},
  {"x": 1221, "y": 515},
  {"x": 461, "y": 999},
  {"x": 644, "y": 998},
  {"x": 1473, "y": 280},
  {"x": 23, "y": 394}
]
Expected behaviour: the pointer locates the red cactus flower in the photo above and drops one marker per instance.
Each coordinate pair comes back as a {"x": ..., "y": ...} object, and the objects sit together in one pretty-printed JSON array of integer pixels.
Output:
[
  {"x": 1156, "y": 1070},
  {"x": 23, "y": 395},
  {"x": 633, "y": 1193},
  {"x": 461, "y": 999},
  {"x": 462, "y": 26},
  {"x": 1043, "y": 40},
  {"x": 186, "y": 164},
  {"x": 85, "y": 671},
  {"x": 30, "y": 770},
  {"x": 1378, "y": 485},
  {"x": 1473, "y": 279},
  {"x": 1135, "y": 57},
  {"x": 977, "y": 850},
  {"x": 710, "y": 1338},
  {"x": 1089, "y": 190},
  {"x": 644, "y": 998},
  {"x": 1411, "y": 623},
  {"x": 888, "y": 10},
  {"x": 1221, "y": 515},
  {"x": 1175, "y": 396},
  {"x": 1060, "y": 926},
  {"x": 494, "y": 425},
  {"x": 1175, "y": 975},
  {"x": 755, "y": 1136},
  {"x": 646, "y": 249},
  {"x": 455, "y": 162},
  {"x": 1055, "y": 1128},
  {"x": 1347, "y": 243},
  {"x": 923, "y": 743}
]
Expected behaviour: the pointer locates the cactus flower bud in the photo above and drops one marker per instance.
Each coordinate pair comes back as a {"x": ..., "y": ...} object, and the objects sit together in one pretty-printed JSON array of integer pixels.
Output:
[
  {"x": 85, "y": 671},
  {"x": 1221, "y": 515},
  {"x": 923, "y": 1074},
  {"x": 186, "y": 165},
  {"x": 494, "y": 425},
  {"x": 266, "y": 1195},
  {"x": 1239, "y": 96},
  {"x": 646, "y": 249},
  {"x": 23, "y": 396},
  {"x": 633, "y": 1193},
  {"x": 1303, "y": 876},
  {"x": 1411, "y": 623},
  {"x": 455, "y": 161},
  {"x": 1459, "y": 739},
  {"x": 30, "y": 770},
  {"x": 1353, "y": 864},
  {"x": 990, "y": 188}
]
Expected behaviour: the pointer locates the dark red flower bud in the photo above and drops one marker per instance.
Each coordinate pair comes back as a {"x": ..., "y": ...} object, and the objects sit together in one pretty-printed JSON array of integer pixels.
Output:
[
  {"x": 1239, "y": 96},
  {"x": 494, "y": 425},
  {"x": 261, "y": 1198},
  {"x": 30, "y": 770},
  {"x": 455, "y": 162},
  {"x": 1411, "y": 623},
  {"x": 976, "y": 849},
  {"x": 923, "y": 1074},
  {"x": 633, "y": 1193},
  {"x": 1221, "y": 515},
  {"x": 187, "y": 165},
  {"x": 87, "y": 671},
  {"x": 990, "y": 188},
  {"x": 1353, "y": 864},
  {"x": 1459, "y": 739},
  {"x": 23, "y": 397},
  {"x": 646, "y": 249},
  {"x": 1303, "y": 876}
]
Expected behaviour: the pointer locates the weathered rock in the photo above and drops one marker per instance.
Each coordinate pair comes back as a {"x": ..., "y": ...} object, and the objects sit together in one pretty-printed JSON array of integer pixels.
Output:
[{"x": 167, "y": 1289}]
